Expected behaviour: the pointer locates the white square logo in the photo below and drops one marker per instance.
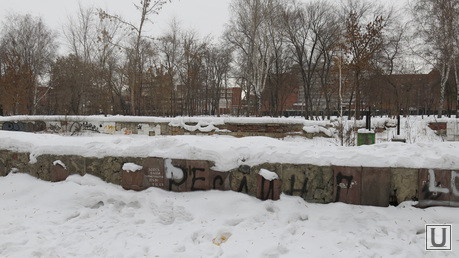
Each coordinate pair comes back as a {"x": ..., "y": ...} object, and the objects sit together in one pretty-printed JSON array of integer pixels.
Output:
[{"x": 438, "y": 237}]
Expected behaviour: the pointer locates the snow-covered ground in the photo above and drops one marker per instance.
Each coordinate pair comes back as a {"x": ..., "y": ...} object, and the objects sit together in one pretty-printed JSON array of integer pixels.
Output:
[{"x": 86, "y": 217}]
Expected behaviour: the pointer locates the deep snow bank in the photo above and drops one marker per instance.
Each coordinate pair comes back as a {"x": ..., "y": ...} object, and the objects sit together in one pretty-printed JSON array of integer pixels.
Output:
[
  {"x": 229, "y": 152},
  {"x": 85, "y": 217}
]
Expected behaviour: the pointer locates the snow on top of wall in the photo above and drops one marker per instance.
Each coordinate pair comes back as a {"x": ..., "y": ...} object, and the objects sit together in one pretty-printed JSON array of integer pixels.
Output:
[
  {"x": 365, "y": 131},
  {"x": 131, "y": 167},
  {"x": 60, "y": 163},
  {"x": 268, "y": 175},
  {"x": 202, "y": 126},
  {"x": 317, "y": 129},
  {"x": 149, "y": 119},
  {"x": 424, "y": 149},
  {"x": 172, "y": 172}
]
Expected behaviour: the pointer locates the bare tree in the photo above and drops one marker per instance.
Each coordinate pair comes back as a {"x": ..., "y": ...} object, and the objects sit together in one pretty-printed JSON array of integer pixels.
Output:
[
  {"x": 304, "y": 26},
  {"x": 32, "y": 46},
  {"x": 391, "y": 62},
  {"x": 95, "y": 42},
  {"x": 191, "y": 68},
  {"x": 147, "y": 8},
  {"x": 70, "y": 80},
  {"x": 217, "y": 67},
  {"x": 327, "y": 28},
  {"x": 436, "y": 23},
  {"x": 248, "y": 31},
  {"x": 169, "y": 52},
  {"x": 363, "y": 39},
  {"x": 81, "y": 34},
  {"x": 281, "y": 80}
]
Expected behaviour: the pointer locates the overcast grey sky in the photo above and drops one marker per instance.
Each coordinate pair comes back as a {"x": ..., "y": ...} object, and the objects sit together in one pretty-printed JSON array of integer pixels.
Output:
[{"x": 205, "y": 16}]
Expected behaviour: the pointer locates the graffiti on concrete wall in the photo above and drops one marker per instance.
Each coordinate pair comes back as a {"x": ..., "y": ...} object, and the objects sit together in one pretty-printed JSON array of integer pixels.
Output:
[
  {"x": 455, "y": 183},
  {"x": 353, "y": 185},
  {"x": 303, "y": 191},
  {"x": 219, "y": 182},
  {"x": 173, "y": 172},
  {"x": 179, "y": 175},
  {"x": 73, "y": 128},
  {"x": 126, "y": 131},
  {"x": 343, "y": 183},
  {"x": 243, "y": 186},
  {"x": 347, "y": 184},
  {"x": 176, "y": 182},
  {"x": 438, "y": 187},
  {"x": 108, "y": 128},
  {"x": 55, "y": 128},
  {"x": 434, "y": 186},
  {"x": 9, "y": 126},
  {"x": 64, "y": 126},
  {"x": 79, "y": 127},
  {"x": 36, "y": 126},
  {"x": 268, "y": 189},
  {"x": 193, "y": 175}
]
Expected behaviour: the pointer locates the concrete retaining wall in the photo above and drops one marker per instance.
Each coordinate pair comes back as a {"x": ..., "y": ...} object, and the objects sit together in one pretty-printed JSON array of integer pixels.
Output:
[
  {"x": 75, "y": 125},
  {"x": 353, "y": 185}
]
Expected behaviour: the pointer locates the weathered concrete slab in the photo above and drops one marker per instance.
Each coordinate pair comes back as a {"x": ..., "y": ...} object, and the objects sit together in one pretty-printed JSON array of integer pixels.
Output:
[
  {"x": 355, "y": 185},
  {"x": 111, "y": 167},
  {"x": 219, "y": 180},
  {"x": 133, "y": 180},
  {"x": 435, "y": 187},
  {"x": 3, "y": 162},
  {"x": 93, "y": 167},
  {"x": 268, "y": 189},
  {"x": 58, "y": 173},
  {"x": 454, "y": 201},
  {"x": 153, "y": 169},
  {"x": 312, "y": 183},
  {"x": 20, "y": 161},
  {"x": 76, "y": 165},
  {"x": 176, "y": 175},
  {"x": 244, "y": 179},
  {"x": 199, "y": 175},
  {"x": 295, "y": 181},
  {"x": 348, "y": 181},
  {"x": 42, "y": 167},
  {"x": 404, "y": 184},
  {"x": 187, "y": 175},
  {"x": 375, "y": 188}
]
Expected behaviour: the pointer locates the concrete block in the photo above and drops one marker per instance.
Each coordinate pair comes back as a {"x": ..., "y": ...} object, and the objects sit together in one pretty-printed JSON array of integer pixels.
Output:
[
  {"x": 268, "y": 189},
  {"x": 58, "y": 173},
  {"x": 375, "y": 188},
  {"x": 153, "y": 169},
  {"x": 404, "y": 184},
  {"x": 219, "y": 180},
  {"x": 348, "y": 181},
  {"x": 435, "y": 187},
  {"x": 133, "y": 180}
]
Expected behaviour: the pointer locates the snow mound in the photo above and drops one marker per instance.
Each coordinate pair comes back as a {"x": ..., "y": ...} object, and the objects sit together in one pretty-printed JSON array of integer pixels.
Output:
[
  {"x": 131, "y": 167},
  {"x": 86, "y": 217},
  {"x": 60, "y": 163},
  {"x": 268, "y": 175}
]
